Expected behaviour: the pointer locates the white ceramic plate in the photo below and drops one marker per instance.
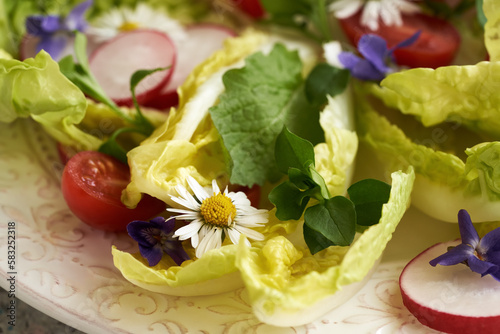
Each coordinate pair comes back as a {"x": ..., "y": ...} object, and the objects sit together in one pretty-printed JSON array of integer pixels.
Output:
[{"x": 64, "y": 268}]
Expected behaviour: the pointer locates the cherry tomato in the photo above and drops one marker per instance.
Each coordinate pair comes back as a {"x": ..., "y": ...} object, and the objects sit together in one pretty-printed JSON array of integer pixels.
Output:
[
  {"x": 251, "y": 7},
  {"x": 92, "y": 183},
  {"x": 437, "y": 45}
]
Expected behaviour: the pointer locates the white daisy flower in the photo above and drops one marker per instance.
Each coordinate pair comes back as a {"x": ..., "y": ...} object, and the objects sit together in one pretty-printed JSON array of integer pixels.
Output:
[
  {"x": 215, "y": 216},
  {"x": 389, "y": 11},
  {"x": 143, "y": 16}
]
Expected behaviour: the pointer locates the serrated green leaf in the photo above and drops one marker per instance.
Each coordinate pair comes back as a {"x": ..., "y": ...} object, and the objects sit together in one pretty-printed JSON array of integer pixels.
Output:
[
  {"x": 369, "y": 196},
  {"x": 334, "y": 218},
  {"x": 253, "y": 109},
  {"x": 289, "y": 201},
  {"x": 292, "y": 151},
  {"x": 324, "y": 80}
]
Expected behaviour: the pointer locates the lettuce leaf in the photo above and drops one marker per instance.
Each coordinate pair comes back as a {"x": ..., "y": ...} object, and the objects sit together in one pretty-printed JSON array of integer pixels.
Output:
[
  {"x": 464, "y": 94},
  {"x": 36, "y": 88},
  {"x": 280, "y": 276},
  {"x": 188, "y": 143},
  {"x": 444, "y": 183},
  {"x": 491, "y": 10}
]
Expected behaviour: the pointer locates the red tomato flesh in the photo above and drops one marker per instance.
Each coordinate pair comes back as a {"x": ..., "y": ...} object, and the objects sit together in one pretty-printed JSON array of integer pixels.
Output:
[
  {"x": 92, "y": 183},
  {"x": 437, "y": 45}
]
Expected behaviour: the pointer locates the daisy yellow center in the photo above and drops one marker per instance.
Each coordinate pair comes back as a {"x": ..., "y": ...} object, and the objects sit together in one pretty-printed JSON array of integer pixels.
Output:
[
  {"x": 218, "y": 210},
  {"x": 128, "y": 26}
]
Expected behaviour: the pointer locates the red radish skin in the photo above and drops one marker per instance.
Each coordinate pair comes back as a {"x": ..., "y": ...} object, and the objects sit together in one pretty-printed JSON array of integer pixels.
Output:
[
  {"x": 201, "y": 41},
  {"x": 451, "y": 299},
  {"x": 114, "y": 62}
]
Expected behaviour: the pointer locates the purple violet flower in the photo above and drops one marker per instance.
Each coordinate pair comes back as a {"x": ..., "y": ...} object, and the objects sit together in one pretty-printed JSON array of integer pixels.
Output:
[
  {"x": 481, "y": 255},
  {"x": 155, "y": 238},
  {"x": 55, "y": 31},
  {"x": 377, "y": 57}
]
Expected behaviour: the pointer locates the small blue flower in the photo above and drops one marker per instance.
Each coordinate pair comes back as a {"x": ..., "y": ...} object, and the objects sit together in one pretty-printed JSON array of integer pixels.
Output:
[
  {"x": 54, "y": 31},
  {"x": 481, "y": 255},
  {"x": 155, "y": 238},
  {"x": 377, "y": 57}
]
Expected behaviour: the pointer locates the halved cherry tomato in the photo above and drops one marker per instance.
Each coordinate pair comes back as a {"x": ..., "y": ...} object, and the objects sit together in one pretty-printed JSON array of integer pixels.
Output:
[
  {"x": 92, "y": 183},
  {"x": 251, "y": 7},
  {"x": 437, "y": 45}
]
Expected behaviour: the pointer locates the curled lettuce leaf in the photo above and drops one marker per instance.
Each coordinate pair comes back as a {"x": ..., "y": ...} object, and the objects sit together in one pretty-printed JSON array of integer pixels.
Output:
[
  {"x": 36, "y": 88},
  {"x": 444, "y": 183},
  {"x": 280, "y": 274},
  {"x": 462, "y": 94}
]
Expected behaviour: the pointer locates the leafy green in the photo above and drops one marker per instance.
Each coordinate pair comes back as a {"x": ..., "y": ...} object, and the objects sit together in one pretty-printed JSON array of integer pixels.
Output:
[
  {"x": 255, "y": 105},
  {"x": 325, "y": 80},
  {"x": 301, "y": 15},
  {"x": 333, "y": 220},
  {"x": 36, "y": 88},
  {"x": 368, "y": 197}
]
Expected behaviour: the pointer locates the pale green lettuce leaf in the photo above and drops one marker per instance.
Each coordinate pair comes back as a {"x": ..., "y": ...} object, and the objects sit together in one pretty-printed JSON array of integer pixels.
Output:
[
  {"x": 215, "y": 272},
  {"x": 444, "y": 183},
  {"x": 491, "y": 9},
  {"x": 36, "y": 88},
  {"x": 465, "y": 94},
  {"x": 288, "y": 286}
]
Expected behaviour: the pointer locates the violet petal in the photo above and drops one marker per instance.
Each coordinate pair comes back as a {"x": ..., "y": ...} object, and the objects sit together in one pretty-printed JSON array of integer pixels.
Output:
[
  {"x": 143, "y": 232},
  {"x": 76, "y": 18},
  {"x": 454, "y": 256},
  {"x": 481, "y": 267},
  {"x": 374, "y": 49},
  {"x": 152, "y": 254},
  {"x": 348, "y": 59},
  {"x": 407, "y": 42},
  {"x": 490, "y": 243},
  {"x": 178, "y": 254},
  {"x": 365, "y": 70},
  {"x": 39, "y": 25},
  {"x": 467, "y": 231},
  {"x": 53, "y": 44}
]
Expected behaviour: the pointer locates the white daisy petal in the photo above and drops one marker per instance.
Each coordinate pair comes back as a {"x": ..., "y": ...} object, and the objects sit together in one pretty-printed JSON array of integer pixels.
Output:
[
  {"x": 251, "y": 234},
  {"x": 233, "y": 235},
  {"x": 209, "y": 241},
  {"x": 215, "y": 187},
  {"x": 188, "y": 230},
  {"x": 345, "y": 8},
  {"x": 198, "y": 190}
]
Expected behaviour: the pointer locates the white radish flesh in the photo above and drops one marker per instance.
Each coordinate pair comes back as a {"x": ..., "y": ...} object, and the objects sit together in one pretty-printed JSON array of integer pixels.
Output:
[
  {"x": 201, "y": 41},
  {"x": 114, "y": 62},
  {"x": 451, "y": 299}
]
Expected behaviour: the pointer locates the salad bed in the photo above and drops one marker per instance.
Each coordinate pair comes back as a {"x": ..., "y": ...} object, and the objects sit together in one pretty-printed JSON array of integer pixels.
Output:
[{"x": 275, "y": 109}]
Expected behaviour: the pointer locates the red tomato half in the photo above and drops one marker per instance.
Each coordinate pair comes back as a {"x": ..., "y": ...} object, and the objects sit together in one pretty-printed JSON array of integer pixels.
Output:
[
  {"x": 92, "y": 183},
  {"x": 437, "y": 45},
  {"x": 251, "y": 7}
]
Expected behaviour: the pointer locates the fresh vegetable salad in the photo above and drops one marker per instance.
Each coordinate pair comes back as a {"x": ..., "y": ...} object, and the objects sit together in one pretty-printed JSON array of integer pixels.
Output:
[{"x": 222, "y": 136}]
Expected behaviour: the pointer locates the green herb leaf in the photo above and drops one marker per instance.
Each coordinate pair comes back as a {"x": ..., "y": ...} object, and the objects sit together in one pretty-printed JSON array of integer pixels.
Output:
[
  {"x": 325, "y": 80},
  {"x": 369, "y": 196},
  {"x": 315, "y": 241},
  {"x": 252, "y": 111},
  {"x": 292, "y": 151},
  {"x": 289, "y": 200},
  {"x": 335, "y": 219}
]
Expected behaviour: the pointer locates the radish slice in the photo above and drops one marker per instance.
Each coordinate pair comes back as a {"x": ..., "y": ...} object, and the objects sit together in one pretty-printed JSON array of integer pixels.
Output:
[
  {"x": 201, "y": 41},
  {"x": 451, "y": 299},
  {"x": 114, "y": 62}
]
